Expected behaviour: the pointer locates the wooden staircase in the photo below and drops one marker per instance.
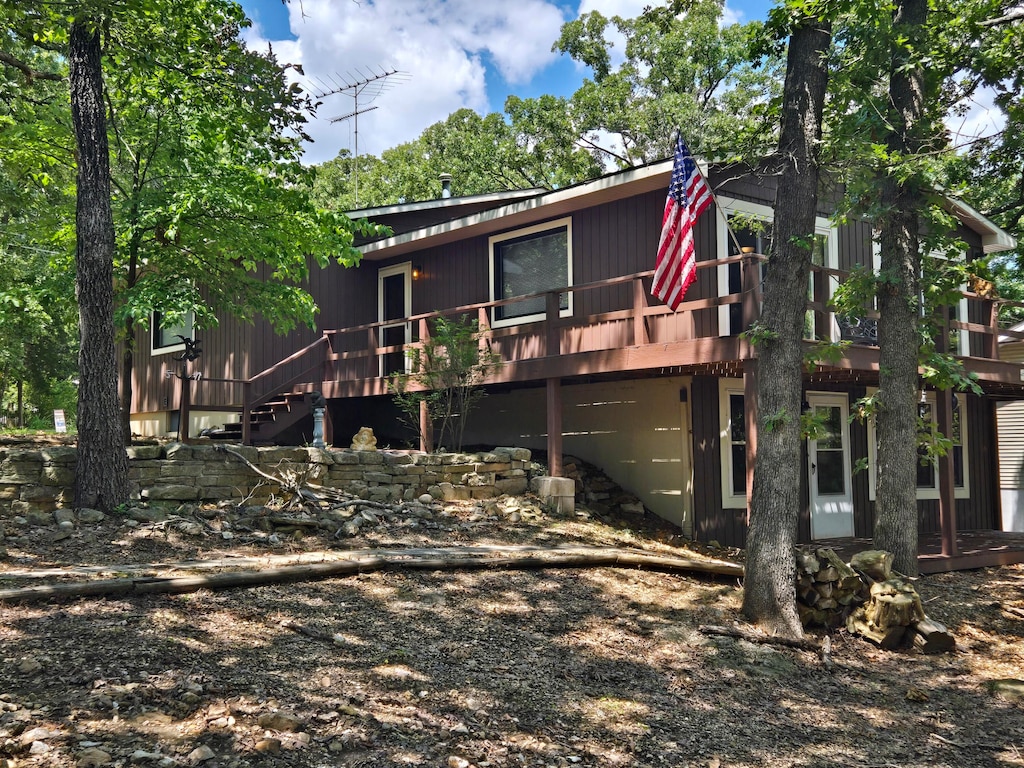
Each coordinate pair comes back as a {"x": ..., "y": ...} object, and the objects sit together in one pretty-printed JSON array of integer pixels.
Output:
[{"x": 271, "y": 420}]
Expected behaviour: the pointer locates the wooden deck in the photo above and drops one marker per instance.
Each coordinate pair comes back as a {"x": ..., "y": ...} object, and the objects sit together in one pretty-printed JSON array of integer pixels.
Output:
[{"x": 975, "y": 549}]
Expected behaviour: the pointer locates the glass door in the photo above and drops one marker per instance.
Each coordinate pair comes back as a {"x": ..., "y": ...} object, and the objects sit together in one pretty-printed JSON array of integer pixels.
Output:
[
  {"x": 828, "y": 468},
  {"x": 394, "y": 302}
]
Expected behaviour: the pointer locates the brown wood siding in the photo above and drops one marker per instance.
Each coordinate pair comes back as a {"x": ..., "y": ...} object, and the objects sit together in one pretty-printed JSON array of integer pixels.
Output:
[
  {"x": 226, "y": 354},
  {"x": 711, "y": 522},
  {"x": 854, "y": 245},
  {"x": 981, "y": 510},
  {"x": 863, "y": 507}
]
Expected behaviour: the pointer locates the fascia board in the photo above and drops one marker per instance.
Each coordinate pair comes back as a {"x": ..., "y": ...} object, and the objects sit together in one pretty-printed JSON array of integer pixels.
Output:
[{"x": 994, "y": 239}]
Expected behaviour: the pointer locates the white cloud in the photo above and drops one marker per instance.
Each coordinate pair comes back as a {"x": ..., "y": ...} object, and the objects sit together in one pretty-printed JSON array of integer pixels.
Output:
[
  {"x": 443, "y": 47},
  {"x": 982, "y": 119}
]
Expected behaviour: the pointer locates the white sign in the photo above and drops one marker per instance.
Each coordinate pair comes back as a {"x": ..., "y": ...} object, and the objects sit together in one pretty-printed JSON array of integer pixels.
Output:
[{"x": 58, "y": 421}]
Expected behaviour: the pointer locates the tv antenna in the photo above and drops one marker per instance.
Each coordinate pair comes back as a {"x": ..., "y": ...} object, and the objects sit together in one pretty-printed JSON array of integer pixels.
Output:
[{"x": 362, "y": 87}]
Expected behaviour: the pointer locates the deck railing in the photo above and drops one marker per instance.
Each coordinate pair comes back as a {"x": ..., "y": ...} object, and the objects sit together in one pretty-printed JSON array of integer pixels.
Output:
[{"x": 355, "y": 362}]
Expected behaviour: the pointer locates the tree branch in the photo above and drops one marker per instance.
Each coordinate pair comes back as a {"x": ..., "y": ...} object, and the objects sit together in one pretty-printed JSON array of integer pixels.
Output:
[
  {"x": 29, "y": 73},
  {"x": 1014, "y": 15}
]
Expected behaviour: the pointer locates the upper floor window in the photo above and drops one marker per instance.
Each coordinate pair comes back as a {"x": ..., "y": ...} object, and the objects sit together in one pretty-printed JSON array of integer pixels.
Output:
[
  {"x": 165, "y": 334},
  {"x": 530, "y": 261},
  {"x": 751, "y": 225}
]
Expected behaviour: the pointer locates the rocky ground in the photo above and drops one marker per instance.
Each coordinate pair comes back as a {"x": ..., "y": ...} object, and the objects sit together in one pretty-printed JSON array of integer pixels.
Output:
[{"x": 587, "y": 667}]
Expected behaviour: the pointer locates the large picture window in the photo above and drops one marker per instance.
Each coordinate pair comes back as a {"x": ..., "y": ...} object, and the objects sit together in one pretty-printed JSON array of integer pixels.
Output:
[
  {"x": 165, "y": 335},
  {"x": 531, "y": 261}
]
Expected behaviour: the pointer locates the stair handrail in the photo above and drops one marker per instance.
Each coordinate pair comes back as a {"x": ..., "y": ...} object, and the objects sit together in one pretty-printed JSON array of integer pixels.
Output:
[{"x": 249, "y": 402}]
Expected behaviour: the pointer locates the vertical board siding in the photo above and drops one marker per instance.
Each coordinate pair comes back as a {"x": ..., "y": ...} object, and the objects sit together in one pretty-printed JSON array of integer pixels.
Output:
[
  {"x": 981, "y": 510},
  {"x": 226, "y": 354},
  {"x": 863, "y": 507},
  {"x": 711, "y": 522}
]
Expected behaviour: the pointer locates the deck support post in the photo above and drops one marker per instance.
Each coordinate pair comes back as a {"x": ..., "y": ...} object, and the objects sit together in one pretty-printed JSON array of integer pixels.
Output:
[
  {"x": 554, "y": 418},
  {"x": 947, "y": 491},
  {"x": 246, "y": 413},
  {"x": 751, "y": 287},
  {"x": 640, "y": 336},
  {"x": 944, "y": 423},
  {"x": 426, "y": 428},
  {"x": 750, "y": 417}
]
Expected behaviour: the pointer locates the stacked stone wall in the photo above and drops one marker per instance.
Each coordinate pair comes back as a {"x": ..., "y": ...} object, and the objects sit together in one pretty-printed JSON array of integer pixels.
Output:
[{"x": 42, "y": 480}]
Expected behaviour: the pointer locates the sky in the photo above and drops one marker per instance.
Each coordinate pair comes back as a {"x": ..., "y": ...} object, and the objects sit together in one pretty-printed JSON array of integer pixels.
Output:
[{"x": 446, "y": 55}]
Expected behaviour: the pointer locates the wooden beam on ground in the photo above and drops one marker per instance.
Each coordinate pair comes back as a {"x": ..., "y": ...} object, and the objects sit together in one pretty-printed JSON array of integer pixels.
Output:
[{"x": 489, "y": 558}]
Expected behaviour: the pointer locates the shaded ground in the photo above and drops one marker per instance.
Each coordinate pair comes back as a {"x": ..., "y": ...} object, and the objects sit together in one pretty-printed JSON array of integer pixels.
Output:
[{"x": 601, "y": 667}]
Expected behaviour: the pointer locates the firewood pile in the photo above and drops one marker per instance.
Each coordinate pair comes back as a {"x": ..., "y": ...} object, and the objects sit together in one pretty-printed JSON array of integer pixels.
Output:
[{"x": 867, "y": 598}]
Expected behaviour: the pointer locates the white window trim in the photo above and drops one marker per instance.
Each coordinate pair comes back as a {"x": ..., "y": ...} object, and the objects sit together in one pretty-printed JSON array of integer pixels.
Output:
[
  {"x": 180, "y": 347},
  {"x": 728, "y": 206},
  {"x": 405, "y": 269},
  {"x": 727, "y": 387},
  {"x": 963, "y": 492},
  {"x": 537, "y": 228},
  {"x": 964, "y": 339}
]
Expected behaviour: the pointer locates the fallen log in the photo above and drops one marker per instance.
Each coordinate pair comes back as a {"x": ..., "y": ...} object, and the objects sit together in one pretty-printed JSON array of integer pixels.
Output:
[
  {"x": 876, "y": 563},
  {"x": 374, "y": 561},
  {"x": 932, "y": 637},
  {"x": 755, "y": 636}
]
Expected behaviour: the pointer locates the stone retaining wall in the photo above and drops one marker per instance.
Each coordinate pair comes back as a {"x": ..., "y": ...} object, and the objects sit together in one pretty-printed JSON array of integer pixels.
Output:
[{"x": 42, "y": 480}]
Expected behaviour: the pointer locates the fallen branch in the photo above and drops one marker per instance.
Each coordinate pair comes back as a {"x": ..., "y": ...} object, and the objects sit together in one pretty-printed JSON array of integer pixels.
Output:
[
  {"x": 371, "y": 562},
  {"x": 1013, "y": 610},
  {"x": 754, "y": 636}
]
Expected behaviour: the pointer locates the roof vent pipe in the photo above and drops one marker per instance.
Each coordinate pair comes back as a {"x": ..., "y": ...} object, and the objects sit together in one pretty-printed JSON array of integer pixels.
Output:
[{"x": 446, "y": 185}]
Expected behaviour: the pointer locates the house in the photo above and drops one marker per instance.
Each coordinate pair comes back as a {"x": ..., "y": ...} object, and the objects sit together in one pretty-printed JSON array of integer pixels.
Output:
[{"x": 594, "y": 367}]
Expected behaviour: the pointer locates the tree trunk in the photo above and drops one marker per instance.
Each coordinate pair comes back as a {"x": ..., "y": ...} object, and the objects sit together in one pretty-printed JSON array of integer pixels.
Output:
[
  {"x": 769, "y": 597},
  {"x": 899, "y": 302},
  {"x": 102, "y": 475}
]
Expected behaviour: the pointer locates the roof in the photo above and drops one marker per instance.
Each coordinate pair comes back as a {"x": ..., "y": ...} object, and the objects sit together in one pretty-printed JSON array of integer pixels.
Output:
[
  {"x": 530, "y": 207},
  {"x": 486, "y": 214},
  {"x": 993, "y": 238}
]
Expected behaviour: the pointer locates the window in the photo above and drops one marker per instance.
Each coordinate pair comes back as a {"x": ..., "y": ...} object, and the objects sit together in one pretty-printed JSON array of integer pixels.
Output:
[
  {"x": 959, "y": 341},
  {"x": 165, "y": 336},
  {"x": 927, "y": 469},
  {"x": 530, "y": 261},
  {"x": 752, "y": 227},
  {"x": 733, "y": 425}
]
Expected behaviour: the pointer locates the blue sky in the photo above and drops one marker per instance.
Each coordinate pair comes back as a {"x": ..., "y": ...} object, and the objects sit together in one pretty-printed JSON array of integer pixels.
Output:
[{"x": 451, "y": 53}]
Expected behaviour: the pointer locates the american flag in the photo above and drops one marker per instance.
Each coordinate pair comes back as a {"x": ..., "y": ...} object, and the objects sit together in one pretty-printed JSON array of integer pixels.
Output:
[{"x": 688, "y": 196}]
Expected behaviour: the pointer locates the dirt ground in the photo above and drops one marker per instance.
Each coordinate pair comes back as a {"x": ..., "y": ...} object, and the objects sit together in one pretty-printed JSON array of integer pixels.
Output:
[{"x": 573, "y": 667}]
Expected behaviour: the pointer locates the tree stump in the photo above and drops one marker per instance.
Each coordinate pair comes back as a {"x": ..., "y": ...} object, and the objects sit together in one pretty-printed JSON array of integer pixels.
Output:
[{"x": 893, "y": 603}]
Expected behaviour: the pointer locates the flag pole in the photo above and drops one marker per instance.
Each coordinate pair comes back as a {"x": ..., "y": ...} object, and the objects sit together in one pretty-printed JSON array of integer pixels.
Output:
[
  {"x": 725, "y": 220},
  {"x": 720, "y": 212}
]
